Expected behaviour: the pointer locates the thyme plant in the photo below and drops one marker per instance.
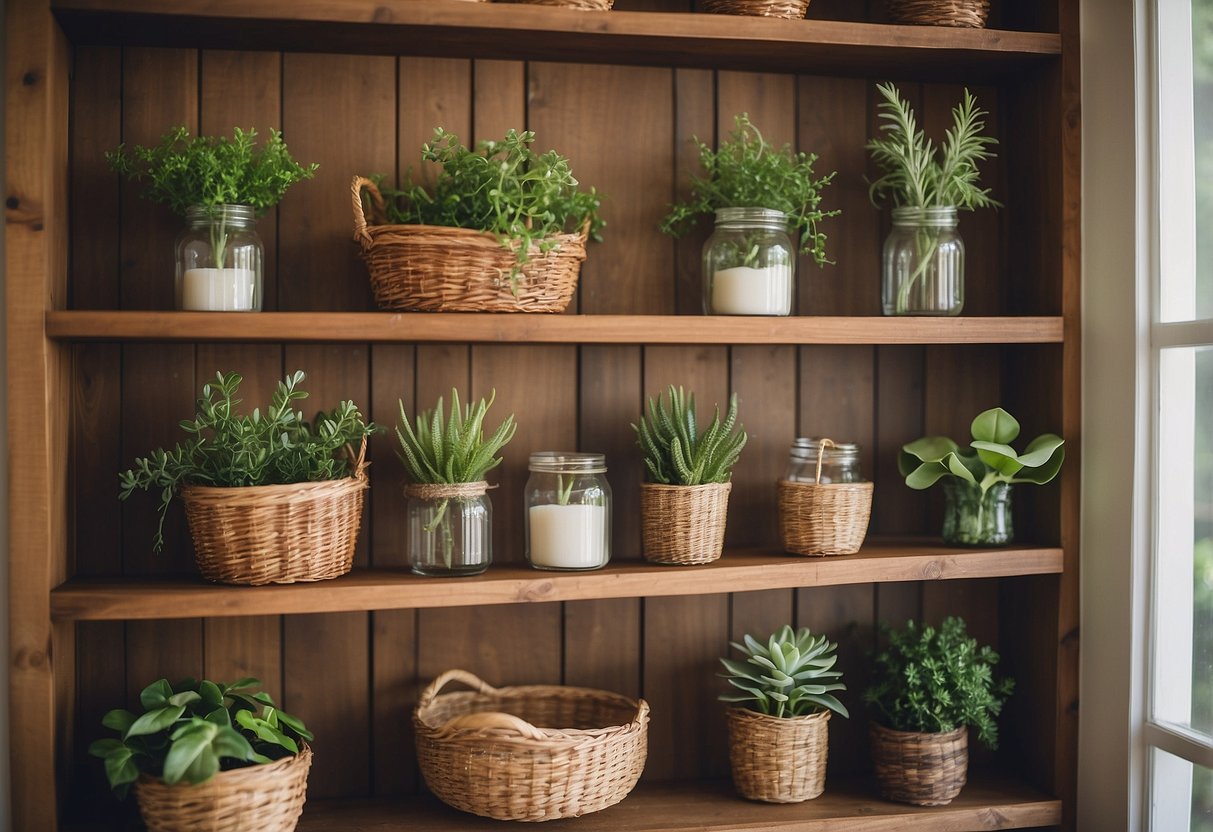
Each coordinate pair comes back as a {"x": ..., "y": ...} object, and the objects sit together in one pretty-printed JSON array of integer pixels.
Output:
[
  {"x": 790, "y": 675},
  {"x": 676, "y": 453}
]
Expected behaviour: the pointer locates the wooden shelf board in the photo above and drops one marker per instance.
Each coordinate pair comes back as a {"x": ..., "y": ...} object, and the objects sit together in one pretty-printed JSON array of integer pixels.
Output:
[
  {"x": 112, "y": 599},
  {"x": 987, "y": 802},
  {"x": 544, "y": 329},
  {"x": 487, "y": 30}
]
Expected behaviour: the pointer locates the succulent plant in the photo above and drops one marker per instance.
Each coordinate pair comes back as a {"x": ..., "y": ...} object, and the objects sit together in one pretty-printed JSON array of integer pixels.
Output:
[
  {"x": 675, "y": 453},
  {"x": 791, "y": 675}
]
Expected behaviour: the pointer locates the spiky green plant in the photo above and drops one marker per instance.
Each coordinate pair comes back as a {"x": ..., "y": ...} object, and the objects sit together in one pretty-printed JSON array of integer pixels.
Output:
[
  {"x": 675, "y": 453},
  {"x": 791, "y": 675}
]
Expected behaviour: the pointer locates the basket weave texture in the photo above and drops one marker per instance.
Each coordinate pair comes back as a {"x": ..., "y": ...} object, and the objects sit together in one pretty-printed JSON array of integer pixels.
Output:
[
  {"x": 531, "y": 753},
  {"x": 428, "y": 268},
  {"x": 580, "y": 5},
  {"x": 922, "y": 769},
  {"x": 265, "y": 798},
  {"x": 790, "y": 9},
  {"x": 277, "y": 534},
  {"x": 683, "y": 524},
  {"x": 778, "y": 759},
  {"x": 969, "y": 14},
  {"x": 817, "y": 518}
]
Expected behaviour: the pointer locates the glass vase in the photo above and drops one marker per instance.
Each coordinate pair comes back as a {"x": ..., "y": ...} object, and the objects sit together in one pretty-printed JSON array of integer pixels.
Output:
[
  {"x": 924, "y": 263},
  {"x": 219, "y": 260},
  {"x": 450, "y": 529},
  {"x": 749, "y": 264},
  {"x": 971, "y": 519},
  {"x": 568, "y": 511}
]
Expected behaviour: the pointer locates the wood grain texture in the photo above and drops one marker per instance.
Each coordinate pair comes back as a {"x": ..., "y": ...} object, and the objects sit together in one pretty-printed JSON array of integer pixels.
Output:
[{"x": 694, "y": 122}]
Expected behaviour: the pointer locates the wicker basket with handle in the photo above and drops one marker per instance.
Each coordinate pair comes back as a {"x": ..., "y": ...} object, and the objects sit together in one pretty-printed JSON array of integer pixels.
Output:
[
  {"x": 920, "y": 768},
  {"x": 969, "y": 14},
  {"x": 533, "y": 753},
  {"x": 778, "y": 759},
  {"x": 428, "y": 268},
  {"x": 817, "y": 518}
]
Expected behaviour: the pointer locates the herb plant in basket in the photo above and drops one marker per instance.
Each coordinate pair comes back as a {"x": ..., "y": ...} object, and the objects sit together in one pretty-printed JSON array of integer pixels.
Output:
[
  {"x": 270, "y": 497},
  {"x": 685, "y": 500},
  {"x": 209, "y": 755},
  {"x": 762, "y": 197},
  {"x": 923, "y": 269},
  {"x": 449, "y": 511},
  {"x": 928, "y": 687},
  {"x": 778, "y": 740},
  {"x": 219, "y": 186},
  {"x": 503, "y": 229}
]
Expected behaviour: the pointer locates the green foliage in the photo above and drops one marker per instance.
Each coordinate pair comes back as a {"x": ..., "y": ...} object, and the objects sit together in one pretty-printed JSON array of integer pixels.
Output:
[
  {"x": 916, "y": 174},
  {"x": 675, "y": 453},
  {"x": 748, "y": 172},
  {"x": 230, "y": 450},
  {"x": 937, "y": 680},
  {"x": 989, "y": 459},
  {"x": 192, "y": 730},
  {"x": 453, "y": 451},
  {"x": 202, "y": 170},
  {"x": 791, "y": 675}
]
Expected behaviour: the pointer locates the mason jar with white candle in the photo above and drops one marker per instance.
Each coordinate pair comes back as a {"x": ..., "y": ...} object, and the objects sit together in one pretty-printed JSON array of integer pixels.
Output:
[
  {"x": 749, "y": 264},
  {"x": 568, "y": 511},
  {"x": 219, "y": 260}
]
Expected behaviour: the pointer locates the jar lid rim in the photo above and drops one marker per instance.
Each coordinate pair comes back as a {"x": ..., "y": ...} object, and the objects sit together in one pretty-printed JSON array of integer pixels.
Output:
[
  {"x": 805, "y": 443},
  {"x": 575, "y": 461},
  {"x": 735, "y": 213}
]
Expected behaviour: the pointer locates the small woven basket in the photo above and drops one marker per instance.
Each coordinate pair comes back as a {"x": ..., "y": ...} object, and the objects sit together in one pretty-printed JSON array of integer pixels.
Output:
[
  {"x": 265, "y": 798},
  {"x": 277, "y": 534},
  {"x": 778, "y": 759},
  {"x": 922, "y": 769},
  {"x": 533, "y": 753},
  {"x": 969, "y": 14},
  {"x": 428, "y": 268},
  {"x": 683, "y": 524},
  {"x": 789, "y": 9},
  {"x": 818, "y": 518},
  {"x": 580, "y": 5}
]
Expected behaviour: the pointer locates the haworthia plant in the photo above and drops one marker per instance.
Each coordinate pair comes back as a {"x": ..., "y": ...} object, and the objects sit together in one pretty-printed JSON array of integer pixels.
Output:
[{"x": 676, "y": 453}]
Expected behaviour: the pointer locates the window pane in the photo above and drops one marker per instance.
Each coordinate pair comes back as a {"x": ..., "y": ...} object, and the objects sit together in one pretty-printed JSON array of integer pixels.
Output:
[{"x": 1181, "y": 794}]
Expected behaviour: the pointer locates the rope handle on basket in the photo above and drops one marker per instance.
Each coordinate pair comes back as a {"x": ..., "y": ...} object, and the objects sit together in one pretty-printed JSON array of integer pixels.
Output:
[
  {"x": 357, "y": 186},
  {"x": 493, "y": 721},
  {"x": 470, "y": 679},
  {"x": 359, "y": 461},
  {"x": 821, "y": 449}
]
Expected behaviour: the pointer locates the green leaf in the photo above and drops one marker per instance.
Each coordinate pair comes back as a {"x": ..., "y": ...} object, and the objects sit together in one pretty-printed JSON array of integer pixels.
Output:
[
  {"x": 926, "y": 475},
  {"x": 154, "y": 721},
  {"x": 184, "y": 698},
  {"x": 995, "y": 425},
  {"x": 931, "y": 448},
  {"x": 105, "y": 747},
  {"x": 1040, "y": 450},
  {"x": 120, "y": 768},
  {"x": 156, "y": 694},
  {"x": 1045, "y": 473},
  {"x": 191, "y": 756},
  {"x": 118, "y": 719},
  {"x": 1002, "y": 458},
  {"x": 211, "y": 694}
]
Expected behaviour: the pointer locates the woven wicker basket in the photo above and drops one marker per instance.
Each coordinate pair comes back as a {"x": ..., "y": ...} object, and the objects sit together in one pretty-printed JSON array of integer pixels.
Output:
[
  {"x": 427, "y": 268},
  {"x": 778, "y": 759},
  {"x": 580, "y": 5},
  {"x": 265, "y": 798},
  {"x": 277, "y": 534},
  {"x": 790, "y": 9},
  {"x": 969, "y": 14},
  {"x": 532, "y": 753},
  {"x": 823, "y": 519},
  {"x": 917, "y": 768},
  {"x": 683, "y": 524}
]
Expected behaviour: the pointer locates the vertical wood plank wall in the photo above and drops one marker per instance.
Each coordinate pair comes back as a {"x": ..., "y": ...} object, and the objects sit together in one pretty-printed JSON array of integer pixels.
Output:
[{"x": 628, "y": 131}]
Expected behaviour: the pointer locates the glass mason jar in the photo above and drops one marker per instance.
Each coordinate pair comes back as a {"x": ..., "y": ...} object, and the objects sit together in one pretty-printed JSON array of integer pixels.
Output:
[
  {"x": 748, "y": 263},
  {"x": 219, "y": 260},
  {"x": 839, "y": 463},
  {"x": 972, "y": 520},
  {"x": 924, "y": 263},
  {"x": 450, "y": 529},
  {"x": 568, "y": 511}
]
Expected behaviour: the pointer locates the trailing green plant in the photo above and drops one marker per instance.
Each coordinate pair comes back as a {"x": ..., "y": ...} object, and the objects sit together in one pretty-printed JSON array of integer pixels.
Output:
[
  {"x": 503, "y": 187},
  {"x": 190, "y": 731},
  {"x": 227, "y": 449},
  {"x": 936, "y": 680},
  {"x": 749, "y": 172},
  {"x": 676, "y": 453},
  {"x": 791, "y": 675}
]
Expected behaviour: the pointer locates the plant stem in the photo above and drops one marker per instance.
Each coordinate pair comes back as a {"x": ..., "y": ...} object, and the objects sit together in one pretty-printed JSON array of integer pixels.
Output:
[
  {"x": 219, "y": 238},
  {"x": 929, "y": 242}
]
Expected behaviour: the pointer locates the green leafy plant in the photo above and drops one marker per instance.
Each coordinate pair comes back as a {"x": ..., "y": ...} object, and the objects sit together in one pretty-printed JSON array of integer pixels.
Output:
[
  {"x": 676, "y": 453},
  {"x": 502, "y": 187},
  {"x": 791, "y": 675},
  {"x": 226, "y": 449},
  {"x": 748, "y": 172},
  {"x": 190, "y": 731},
  {"x": 936, "y": 680}
]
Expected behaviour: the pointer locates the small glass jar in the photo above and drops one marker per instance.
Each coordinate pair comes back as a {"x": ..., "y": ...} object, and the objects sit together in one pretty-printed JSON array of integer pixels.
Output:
[
  {"x": 839, "y": 463},
  {"x": 924, "y": 263},
  {"x": 568, "y": 511},
  {"x": 971, "y": 519},
  {"x": 219, "y": 260},
  {"x": 449, "y": 529},
  {"x": 749, "y": 263}
]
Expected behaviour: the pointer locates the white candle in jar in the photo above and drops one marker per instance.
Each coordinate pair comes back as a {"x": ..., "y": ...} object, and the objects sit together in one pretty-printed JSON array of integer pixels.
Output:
[
  {"x": 744, "y": 290},
  {"x": 568, "y": 537},
  {"x": 218, "y": 290}
]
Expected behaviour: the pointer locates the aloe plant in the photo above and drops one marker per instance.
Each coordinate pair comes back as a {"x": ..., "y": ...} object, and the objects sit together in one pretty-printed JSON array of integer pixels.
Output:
[
  {"x": 791, "y": 675},
  {"x": 676, "y": 453}
]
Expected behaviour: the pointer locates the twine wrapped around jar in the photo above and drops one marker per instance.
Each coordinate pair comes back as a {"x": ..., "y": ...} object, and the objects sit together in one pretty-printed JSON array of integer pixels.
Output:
[
  {"x": 445, "y": 490},
  {"x": 817, "y": 518}
]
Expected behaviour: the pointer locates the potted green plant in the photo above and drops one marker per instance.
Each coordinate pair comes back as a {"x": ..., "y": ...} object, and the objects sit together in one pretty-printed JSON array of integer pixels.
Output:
[
  {"x": 502, "y": 229},
  {"x": 270, "y": 497},
  {"x": 685, "y": 499},
  {"x": 450, "y": 514},
  {"x": 978, "y": 479},
  {"x": 928, "y": 687},
  {"x": 923, "y": 267},
  {"x": 778, "y": 735},
  {"x": 219, "y": 186},
  {"x": 209, "y": 755},
  {"x": 763, "y": 197}
]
